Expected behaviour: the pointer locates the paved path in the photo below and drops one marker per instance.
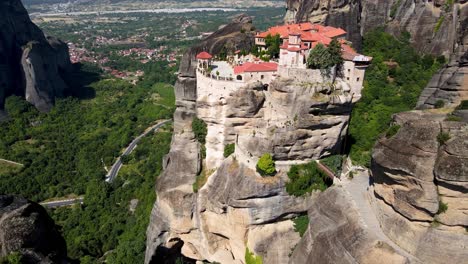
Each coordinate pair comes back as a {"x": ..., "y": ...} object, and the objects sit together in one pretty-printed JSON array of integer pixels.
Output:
[
  {"x": 114, "y": 171},
  {"x": 12, "y": 162},
  {"x": 358, "y": 188},
  {"x": 61, "y": 203}
]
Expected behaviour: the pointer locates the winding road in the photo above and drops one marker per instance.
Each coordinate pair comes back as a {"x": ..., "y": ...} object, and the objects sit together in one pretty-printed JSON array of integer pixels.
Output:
[
  {"x": 114, "y": 171},
  {"x": 61, "y": 203}
]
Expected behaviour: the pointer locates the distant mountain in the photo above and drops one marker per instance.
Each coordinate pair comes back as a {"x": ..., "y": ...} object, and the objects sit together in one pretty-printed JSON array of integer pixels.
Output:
[{"x": 38, "y": 2}]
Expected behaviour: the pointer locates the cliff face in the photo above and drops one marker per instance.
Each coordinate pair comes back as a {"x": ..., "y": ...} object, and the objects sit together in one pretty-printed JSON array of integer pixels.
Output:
[
  {"x": 433, "y": 25},
  {"x": 421, "y": 186},
  {"x": 338, "y": 13},
  {"x": 26, "y": 228},
  {"x": 30, "y": 63},
  {"x": 412, "y": 209},
  {"x": 293, "y": 119}
]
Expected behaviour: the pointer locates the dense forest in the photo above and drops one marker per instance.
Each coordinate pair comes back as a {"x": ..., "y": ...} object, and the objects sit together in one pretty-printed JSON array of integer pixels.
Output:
[
  {"x": 393, "y": 84},
  {"x": 64, "y": 153}
]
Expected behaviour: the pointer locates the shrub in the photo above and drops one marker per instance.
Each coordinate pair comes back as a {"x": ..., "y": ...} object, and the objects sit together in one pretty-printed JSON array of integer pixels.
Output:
[
  {"x": 439, "y": 104},
  {"x": 334, "y": 163},
  {"x": 392, "y": 130},
  {"x": 229, "y": 149},
  {"x": 443, "y": 137},
  {"x": 439, "y": 23},
  {"x": 305, "y": 178},
  {"x": 300, "y": 224},
  {"x": 199, "y": 129},
  {"x": 453, "y": 118},
  {"x": 463, "y": 105},
  {"x": 266, "y": 165},
  {"x": 394, "y": 8},
  {"x": 442, "y": 207},
  {"x": 250, "y": 258},
  {"x": 12, "y": 258}
]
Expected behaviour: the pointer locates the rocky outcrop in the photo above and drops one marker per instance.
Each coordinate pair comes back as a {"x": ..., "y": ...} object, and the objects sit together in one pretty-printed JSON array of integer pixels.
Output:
[
  {"x": 294, "y": 121},
  {"x": 174, "y": 208},
  {"x": 336, "y": 234},
  {"x": 338, "y": 13},
  {"x": 433, "y": 25},
  {"x": 30, "y": 64},
  {"x": 417, "y": 173},
  {"x": 450, "y": 84},
  {"x": 26, "y": 228}
]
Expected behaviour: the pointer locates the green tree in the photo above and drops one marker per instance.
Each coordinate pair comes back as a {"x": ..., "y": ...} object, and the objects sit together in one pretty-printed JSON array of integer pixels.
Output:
[
  {"x": 273, "y": 45},
  {"x": 305, "y": 178},
  {"x": 266, "y": 165},
  {"x": 387, "y": 90},
  {"x": 318, "y": 58},
  {"x": 335, "y": 53}
]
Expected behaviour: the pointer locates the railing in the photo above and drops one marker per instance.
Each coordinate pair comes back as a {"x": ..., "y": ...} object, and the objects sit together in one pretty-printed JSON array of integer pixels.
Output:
[{"x": 214, "y": 77}]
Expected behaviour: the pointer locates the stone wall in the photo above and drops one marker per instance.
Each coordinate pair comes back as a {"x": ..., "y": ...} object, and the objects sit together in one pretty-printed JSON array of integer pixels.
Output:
[{"x": 211, "y": 90}]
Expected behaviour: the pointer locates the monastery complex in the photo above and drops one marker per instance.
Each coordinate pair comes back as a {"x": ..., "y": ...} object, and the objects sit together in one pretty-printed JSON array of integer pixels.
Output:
[{"x": 218, "y": 78}]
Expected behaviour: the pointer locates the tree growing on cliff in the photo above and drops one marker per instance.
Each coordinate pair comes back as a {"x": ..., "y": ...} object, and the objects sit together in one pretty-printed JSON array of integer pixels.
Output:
[
  {"x": 266, "y": 165},
  {"x": 335, "y": 53},
  {"x": 318, "y": 57},
  {"x": 199, "y": 129},
  {"x": 273, "y": 45},
  {"x": 323, "y": 58},
  {"x": 305, "y": 178}
]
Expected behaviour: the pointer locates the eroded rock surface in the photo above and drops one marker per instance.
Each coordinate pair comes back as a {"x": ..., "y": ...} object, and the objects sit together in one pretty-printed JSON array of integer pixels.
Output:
[
  {"x": 434, "y": 25},
  {"x": 30, "y": 63},
  {"x": 415, "y": 175},
  {"x": 336, "y": 234},
  {"x": 26, "y": 228}
]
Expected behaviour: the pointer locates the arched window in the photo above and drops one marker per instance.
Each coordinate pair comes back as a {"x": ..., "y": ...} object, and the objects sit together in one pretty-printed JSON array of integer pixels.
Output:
[{"x": 239, "y": 77}]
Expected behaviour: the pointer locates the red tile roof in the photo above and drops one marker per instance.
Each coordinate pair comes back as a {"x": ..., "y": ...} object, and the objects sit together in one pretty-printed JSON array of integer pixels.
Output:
[
  {"x": 204, "y": 56},
  {"x": 256, "y": 67},
  {"x": 334, "y": 32}
]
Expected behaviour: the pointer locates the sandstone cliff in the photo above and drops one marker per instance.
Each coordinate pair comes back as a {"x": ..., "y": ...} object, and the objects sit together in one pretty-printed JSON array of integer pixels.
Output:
[
  {"x": 30, "y": 63},
  {"x": 433, "y": 25},
  {"x": 421, "y": 186},
  {"x": 26, "y": 228},
  {"x": 292, "y": 118},
  {"x": 396, "y": 219},
  {"x": 412, "y": 209}
]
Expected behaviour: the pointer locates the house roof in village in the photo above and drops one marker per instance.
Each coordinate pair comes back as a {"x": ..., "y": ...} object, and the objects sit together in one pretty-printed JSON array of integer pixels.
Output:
[
  {"x": 256, "y": 67},
  {"x": 204, "y": 56}
]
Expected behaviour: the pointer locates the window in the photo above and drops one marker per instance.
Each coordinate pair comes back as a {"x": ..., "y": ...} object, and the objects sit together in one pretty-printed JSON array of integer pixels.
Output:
[
  {"x": 347, "y": 78},
  {"x": 349, "y": 70},
  {"x": 357, "y": 80},
  {"x": 239, "y": 77},
  {"x": 262, "y": 76}
]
